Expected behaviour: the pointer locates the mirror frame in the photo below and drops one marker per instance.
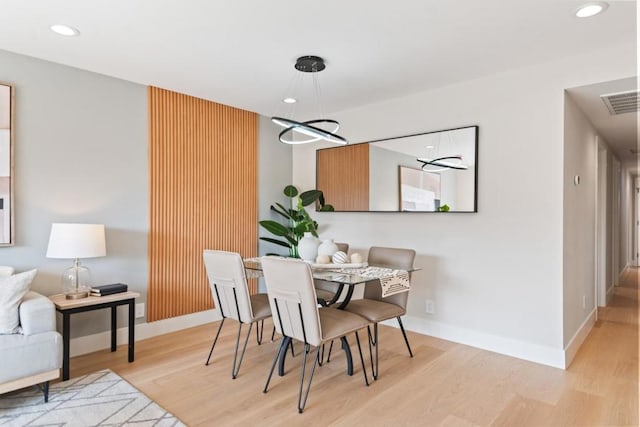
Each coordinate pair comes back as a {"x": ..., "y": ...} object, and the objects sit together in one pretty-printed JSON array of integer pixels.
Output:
[
  {"x": 475, "y": 186},
  {"x": 12, "y": 119}
]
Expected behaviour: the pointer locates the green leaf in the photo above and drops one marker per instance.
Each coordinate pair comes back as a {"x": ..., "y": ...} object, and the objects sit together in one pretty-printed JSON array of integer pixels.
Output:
[
  {"x": 292, "y": 242},
  {"x": 301, "y": 228},
  {"x": 274, "y": 227},
  {"x": 281, "y": 210},
  {"x": 308, "y": 197},
  {"x": 290, "y": 191},
  {"x": 274, "y": 241},
  {"x": 327, "y": 208}
]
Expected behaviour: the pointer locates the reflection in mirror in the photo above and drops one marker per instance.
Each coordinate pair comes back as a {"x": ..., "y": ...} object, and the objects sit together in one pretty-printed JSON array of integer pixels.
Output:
[
  {"x": 427, "y": 172},
  {"x": 6, "y": 121}
]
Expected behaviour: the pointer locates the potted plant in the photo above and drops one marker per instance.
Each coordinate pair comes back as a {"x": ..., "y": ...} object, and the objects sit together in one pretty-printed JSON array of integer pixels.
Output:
[{"x": 298, "y": 220}]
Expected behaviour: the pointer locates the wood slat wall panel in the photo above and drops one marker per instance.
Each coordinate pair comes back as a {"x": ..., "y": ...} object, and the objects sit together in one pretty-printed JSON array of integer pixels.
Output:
[
  {"x": 203, "y": 162},
  {"x": 343, "y": 176}
]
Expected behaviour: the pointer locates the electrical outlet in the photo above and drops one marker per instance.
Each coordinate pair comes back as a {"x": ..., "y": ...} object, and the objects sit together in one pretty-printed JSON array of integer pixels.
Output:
[
  {"x": 584, "y": 301},
  {"x": 429, "y": 306},
  {"x": 139, "y": 310}
]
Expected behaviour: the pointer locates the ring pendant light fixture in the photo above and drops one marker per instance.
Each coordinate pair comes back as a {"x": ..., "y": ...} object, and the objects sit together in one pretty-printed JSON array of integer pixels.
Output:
[
  {"x": 310, "y": 130},
  {"x": 439, "y": 157},
  {"x": 442, "y": 163}
]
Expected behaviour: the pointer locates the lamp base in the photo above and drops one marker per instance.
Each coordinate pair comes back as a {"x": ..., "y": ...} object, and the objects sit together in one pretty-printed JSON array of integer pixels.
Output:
[
  {"x": 75, "y": 281},
  {"x": 77, "y": 295}
]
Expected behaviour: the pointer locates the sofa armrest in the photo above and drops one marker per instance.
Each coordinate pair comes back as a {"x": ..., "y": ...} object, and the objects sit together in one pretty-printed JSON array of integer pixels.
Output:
[{"x": 37, "y": 314}]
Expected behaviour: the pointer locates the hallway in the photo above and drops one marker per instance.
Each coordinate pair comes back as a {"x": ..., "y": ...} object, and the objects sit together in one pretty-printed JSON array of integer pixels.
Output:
[{"x": 607, "y": 364}]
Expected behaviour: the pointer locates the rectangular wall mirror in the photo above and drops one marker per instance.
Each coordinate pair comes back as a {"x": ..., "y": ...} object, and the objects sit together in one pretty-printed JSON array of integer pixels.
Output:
[
  {"x": 6, "y": 165},
  {"x": 426, "y": 172}
]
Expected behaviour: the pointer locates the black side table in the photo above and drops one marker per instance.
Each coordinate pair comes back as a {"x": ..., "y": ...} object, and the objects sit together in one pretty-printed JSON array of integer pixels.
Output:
[{"x": 67, "y": 307}]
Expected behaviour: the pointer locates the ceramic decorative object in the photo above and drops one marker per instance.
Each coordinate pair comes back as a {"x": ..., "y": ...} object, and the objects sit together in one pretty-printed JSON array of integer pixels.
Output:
[
  {"x": 308, "y": 247},
  {"x": 327, "y": 248},
  {"x": 323, "y": 259},
  {"x": 356, "y": 258},
  {"x": 340, "y": 258}
]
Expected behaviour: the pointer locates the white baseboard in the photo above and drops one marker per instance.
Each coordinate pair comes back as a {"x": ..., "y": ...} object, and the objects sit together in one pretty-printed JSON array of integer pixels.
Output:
[
  {"x": 578, "y": 338},
  {"x": 535, "y": 353},
  {"x": 522, "y": 350},
  {"x": 102, "y": 340}
]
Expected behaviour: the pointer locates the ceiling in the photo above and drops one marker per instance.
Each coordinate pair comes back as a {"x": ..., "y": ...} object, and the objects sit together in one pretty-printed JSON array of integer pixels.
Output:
[
  {"x": 241, "y": 52},
  {"x": 620, "y": 131}
]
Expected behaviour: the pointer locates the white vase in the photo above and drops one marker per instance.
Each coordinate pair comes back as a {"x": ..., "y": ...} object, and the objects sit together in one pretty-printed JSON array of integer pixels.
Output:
[
  {"x": 308, "y": 247},
  {"x": 327, "y": 248}
]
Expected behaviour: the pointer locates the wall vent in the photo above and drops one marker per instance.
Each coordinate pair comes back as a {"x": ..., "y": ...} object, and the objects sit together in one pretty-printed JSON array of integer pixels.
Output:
[{"x": 622, "y": 102}]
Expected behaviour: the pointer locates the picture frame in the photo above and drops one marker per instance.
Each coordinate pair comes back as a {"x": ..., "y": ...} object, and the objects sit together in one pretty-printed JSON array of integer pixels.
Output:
[
  {"x": 7, "y": 149},
  {"x": 420, "y": 191}
]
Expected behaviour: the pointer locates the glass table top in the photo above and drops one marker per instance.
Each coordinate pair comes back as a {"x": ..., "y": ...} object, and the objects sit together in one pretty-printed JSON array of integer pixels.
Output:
[{"x": 345, "y": 276}]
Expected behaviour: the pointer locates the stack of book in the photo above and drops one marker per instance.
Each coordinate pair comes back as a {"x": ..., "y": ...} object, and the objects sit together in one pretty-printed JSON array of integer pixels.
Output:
[{"x": 115, "y": 288}]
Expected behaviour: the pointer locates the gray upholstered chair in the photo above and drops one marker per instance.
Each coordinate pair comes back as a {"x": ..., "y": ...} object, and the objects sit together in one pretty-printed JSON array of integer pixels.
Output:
[
  {"x": 230, "y": 292},
  {"x": 35, "y": 355},
  {"x": 293, "y": 301},
  {"x": 327, "y": 292},
  {"x": 373, "y": 306}
]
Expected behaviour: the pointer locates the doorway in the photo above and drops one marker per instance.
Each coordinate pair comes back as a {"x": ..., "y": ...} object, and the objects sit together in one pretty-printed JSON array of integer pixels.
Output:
[
  {"x": 635, "y": 254},
  {"x": 601, "y": 225}
]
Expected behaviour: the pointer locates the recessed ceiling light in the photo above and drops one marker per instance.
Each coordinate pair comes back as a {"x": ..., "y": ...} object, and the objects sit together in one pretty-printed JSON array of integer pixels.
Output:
[
  {"x": 64, "y": 30},
  {"x": 289, "y": 100},
  {"x": 591, "y": 9}
]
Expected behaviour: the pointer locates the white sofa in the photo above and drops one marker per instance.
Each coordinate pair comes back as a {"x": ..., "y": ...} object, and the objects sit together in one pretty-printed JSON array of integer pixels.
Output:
[{"x": 35, "y": 355}]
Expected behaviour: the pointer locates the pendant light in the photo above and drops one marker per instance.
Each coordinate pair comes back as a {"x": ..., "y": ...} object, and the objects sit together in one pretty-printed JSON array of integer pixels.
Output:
[
  {"x": 303, "y": 132},
  {"x": 439, "y": 157}
]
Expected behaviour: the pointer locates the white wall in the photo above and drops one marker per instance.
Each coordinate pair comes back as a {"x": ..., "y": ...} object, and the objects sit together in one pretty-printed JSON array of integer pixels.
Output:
[
  {"x": 581, "y": 158},
  {"x": 384, "y": 184},
  {"x": 496, "y": 276},
  {"x": 80, "y": 156},
  {"x": 274, "y": 173}
]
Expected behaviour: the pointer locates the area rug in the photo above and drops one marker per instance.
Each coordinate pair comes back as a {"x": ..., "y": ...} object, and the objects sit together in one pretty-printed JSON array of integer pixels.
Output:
[{"x": 98, "y": 399}]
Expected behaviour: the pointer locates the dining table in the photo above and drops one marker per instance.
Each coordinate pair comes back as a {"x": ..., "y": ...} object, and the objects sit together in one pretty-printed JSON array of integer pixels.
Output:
[{"x": 347, "y": 277}]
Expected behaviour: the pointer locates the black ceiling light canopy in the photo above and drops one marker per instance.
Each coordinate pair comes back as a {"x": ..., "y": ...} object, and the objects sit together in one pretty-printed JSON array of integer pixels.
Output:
[{"x": 312, "y": 129}]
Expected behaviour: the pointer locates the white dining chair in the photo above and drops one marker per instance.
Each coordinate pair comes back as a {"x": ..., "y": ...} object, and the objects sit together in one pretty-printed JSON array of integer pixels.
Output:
[
  {"x": 230, "y": 293},
  {"x": 293, "y": 301}
]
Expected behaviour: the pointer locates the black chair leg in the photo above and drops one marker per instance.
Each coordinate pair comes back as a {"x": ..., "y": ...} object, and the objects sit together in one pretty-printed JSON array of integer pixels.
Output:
[
  {"x": 321, "y": 356},
  {"x": 373, "y": 342},
  {"x": 329, "y": 355},
  {"x": 273, "y": 333},
  {"x": 405, "y": 336},
  {"x": 45, "y": 389},
  {"x": 273, "y": 365},
  {"x": 234, "y": 370},
  {"x": 364, "y": 369},
  {"x": 260, "y": 331},
  {"x": 214, "y": 341},
  {"x": 303, "y": 402}
]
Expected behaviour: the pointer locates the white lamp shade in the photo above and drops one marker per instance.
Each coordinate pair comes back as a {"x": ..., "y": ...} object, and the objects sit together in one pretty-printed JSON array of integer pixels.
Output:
[{"x": 76, "y": 241}]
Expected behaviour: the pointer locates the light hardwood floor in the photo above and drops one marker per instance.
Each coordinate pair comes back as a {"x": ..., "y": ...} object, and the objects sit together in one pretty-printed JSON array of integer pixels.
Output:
[{"x": 445, "y": 384}]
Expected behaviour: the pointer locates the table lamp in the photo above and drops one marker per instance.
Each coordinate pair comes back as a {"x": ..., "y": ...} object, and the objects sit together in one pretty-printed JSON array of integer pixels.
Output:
[{"x": 75, "y": 241}]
